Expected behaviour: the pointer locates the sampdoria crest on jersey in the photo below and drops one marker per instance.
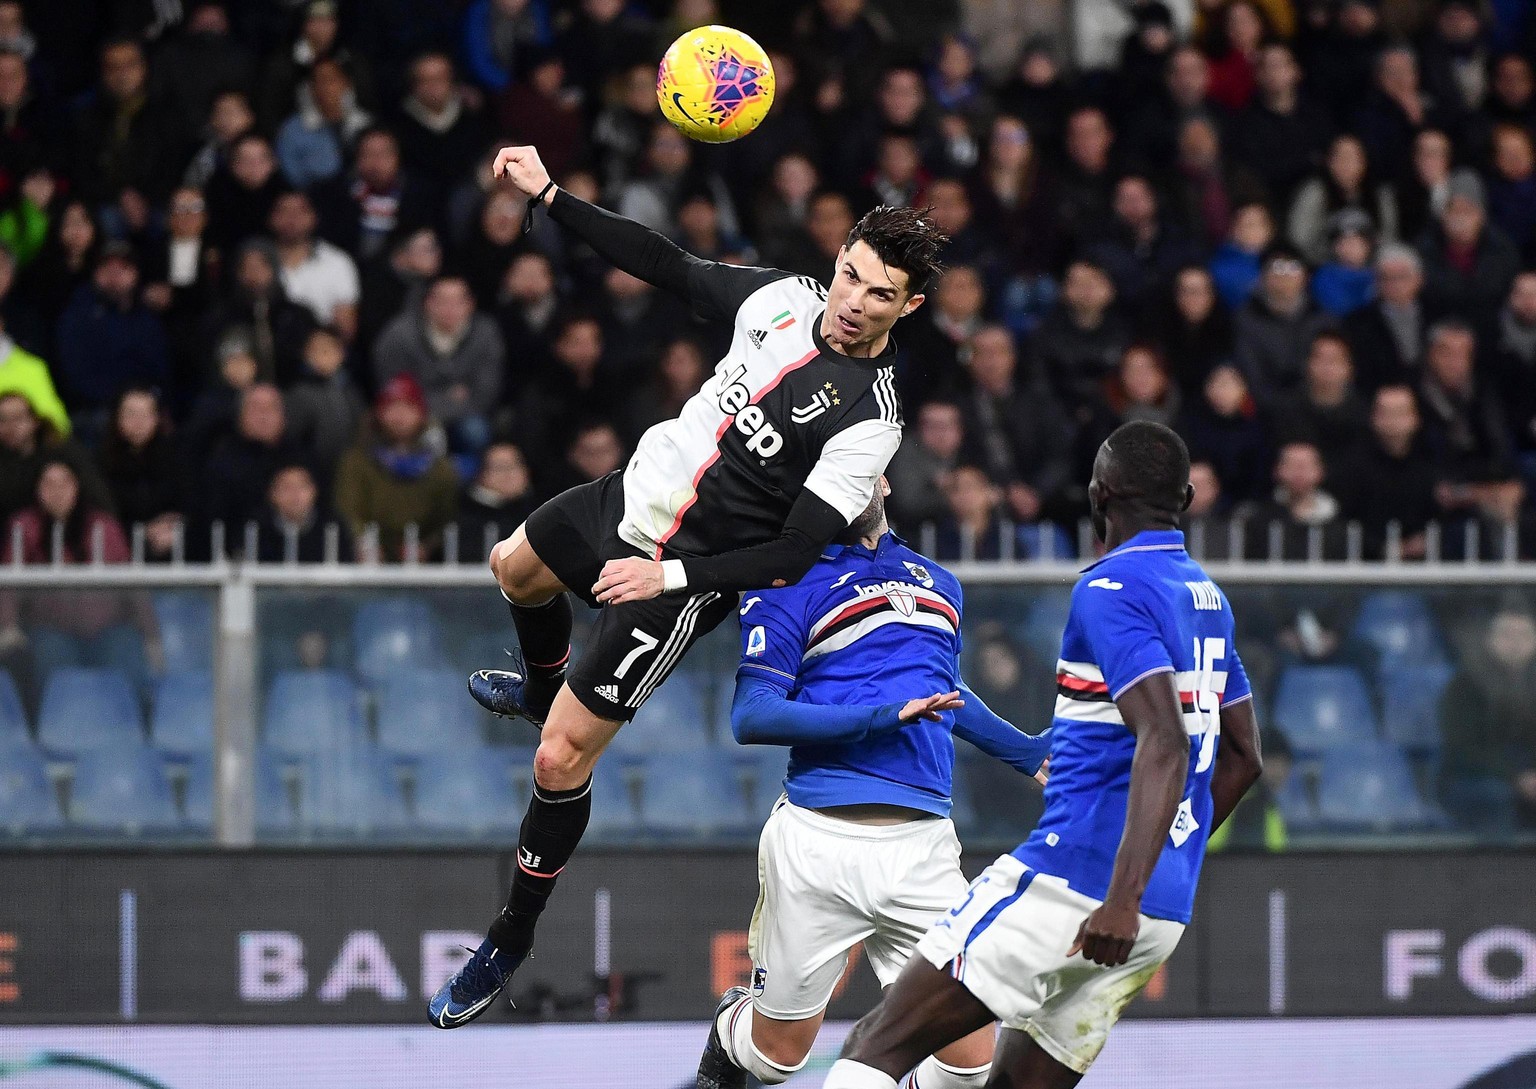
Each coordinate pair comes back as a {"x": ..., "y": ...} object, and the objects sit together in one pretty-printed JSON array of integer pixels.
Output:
[
  {"x": 905, "y": 602},
  {"x": 920, "y": 573}
]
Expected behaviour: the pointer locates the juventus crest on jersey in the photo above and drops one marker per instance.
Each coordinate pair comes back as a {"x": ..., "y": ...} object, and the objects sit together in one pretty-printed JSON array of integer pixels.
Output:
[{"x": 781, "y": 411}]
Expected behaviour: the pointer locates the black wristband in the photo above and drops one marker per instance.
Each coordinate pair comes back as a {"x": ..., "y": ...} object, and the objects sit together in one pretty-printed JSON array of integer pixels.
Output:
[{"x": 534, "y": 202}]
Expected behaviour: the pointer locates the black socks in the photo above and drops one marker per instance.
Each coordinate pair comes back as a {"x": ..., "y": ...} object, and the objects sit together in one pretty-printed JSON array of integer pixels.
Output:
[
  {"x": 544, "y": 634},
  {"x": 552, "y": 828}
]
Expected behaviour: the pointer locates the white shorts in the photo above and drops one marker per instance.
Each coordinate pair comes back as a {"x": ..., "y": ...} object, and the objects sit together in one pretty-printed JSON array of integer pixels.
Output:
[
  {"x": 1007, "y": 942},
  {"x": 824, "y": 885}
]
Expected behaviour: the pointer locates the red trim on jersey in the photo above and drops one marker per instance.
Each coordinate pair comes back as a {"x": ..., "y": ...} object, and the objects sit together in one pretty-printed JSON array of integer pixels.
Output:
[
  {"x": 725, "y": 423},
  {"x": 536, "y": 873},
  {"x": 1077, "y": 684}
]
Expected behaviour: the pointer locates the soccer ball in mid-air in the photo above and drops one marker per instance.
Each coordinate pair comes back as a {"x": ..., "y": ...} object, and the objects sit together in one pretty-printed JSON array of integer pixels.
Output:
[{"x": 715, "y": 84}]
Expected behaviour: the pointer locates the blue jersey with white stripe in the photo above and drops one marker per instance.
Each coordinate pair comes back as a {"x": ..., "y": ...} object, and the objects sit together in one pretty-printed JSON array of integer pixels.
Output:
[
  {"x": 1145, "y": 608},
  {"x": 863, "y": 628}
]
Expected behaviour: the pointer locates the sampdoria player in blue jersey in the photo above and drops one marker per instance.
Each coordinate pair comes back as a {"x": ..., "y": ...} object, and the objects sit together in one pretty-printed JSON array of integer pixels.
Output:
[
  {"x": 860, "y": 848},
  {"x": 1154, "y": 743}
]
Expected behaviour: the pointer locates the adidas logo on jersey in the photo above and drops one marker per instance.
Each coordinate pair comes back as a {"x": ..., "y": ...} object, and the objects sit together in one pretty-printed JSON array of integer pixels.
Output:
[
  {"x": 609, "y": 692},
  {"x": 757, "y": 336}
]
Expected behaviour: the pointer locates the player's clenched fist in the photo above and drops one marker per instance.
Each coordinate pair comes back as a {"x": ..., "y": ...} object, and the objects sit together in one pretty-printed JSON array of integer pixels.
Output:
[
  {"x": 524, "y": 168},
  {"x": 1107, "y": 935}
]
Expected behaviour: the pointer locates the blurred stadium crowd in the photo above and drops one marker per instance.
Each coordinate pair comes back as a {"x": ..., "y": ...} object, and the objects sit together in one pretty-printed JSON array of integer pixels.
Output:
[
  {"x": 255, "y": 269},
  {"x": 254, "y": 273}
]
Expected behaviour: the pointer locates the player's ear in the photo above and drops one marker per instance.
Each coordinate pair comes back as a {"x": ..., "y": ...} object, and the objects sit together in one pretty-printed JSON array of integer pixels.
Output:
[
  {"x": 1189, "y": 497},
  {"x": 885, "y": 487},
  {"x": 913, "y": 303}
]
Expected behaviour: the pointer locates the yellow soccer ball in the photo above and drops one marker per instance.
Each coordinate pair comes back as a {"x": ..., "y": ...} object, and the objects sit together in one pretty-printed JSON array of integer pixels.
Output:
[{"x": 715, "y": 84}]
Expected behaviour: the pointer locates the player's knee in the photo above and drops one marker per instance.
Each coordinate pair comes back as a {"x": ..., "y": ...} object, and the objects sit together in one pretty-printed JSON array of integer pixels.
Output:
[
  {"x": 785, "y": 1050},
  {"x": 562, "y": 761}
]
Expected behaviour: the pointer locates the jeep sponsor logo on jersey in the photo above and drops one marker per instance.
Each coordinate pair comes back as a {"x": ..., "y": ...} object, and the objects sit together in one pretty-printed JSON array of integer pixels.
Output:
[{"x": 763, "y": 439}]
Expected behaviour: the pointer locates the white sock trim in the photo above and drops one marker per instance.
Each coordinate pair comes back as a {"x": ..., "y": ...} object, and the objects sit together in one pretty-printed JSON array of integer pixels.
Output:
[
  {"x": 847, "y": 1074},
  {"x": 933, "y": 1074},
  {"x": 735, "y": 1028}
]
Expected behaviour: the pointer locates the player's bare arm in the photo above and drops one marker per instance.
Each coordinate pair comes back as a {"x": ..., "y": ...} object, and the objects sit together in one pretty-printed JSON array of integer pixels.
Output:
[
  {"x": 1238, "y": 760},
  {"x": 1152, "y": 712}
]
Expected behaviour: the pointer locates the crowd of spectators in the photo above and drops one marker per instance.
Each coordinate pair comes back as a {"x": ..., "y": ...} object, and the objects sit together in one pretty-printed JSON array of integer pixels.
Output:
[{"x": 254, "y": 270}]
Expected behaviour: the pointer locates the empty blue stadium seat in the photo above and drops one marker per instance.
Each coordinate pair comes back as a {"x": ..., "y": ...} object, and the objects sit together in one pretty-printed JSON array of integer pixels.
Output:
[
  {"x": 13, "y": 720},
  {"x": 182, "y": 719},
  {"x": 185, "y": 618},
  {"x": 276, "y": 814},
  {"x": 1411, "y": 706},
  {"x": 672, "y": 720},
  {"x": 197, "y": 796},
  {"x": 694, "y": 794},
  {"x": 122, "y": 788},
  {"x": 87, "y": 708},
  {"x": 389, "y": 634},
  {"x": 350, "y": 791},
  {"x": 427, "y": 711},
  {"x": 1296, "y": 805},
  {"x": 614, "y": 814},
  {"x": 1399, "y": 627},
  {"x": 466, "y": 792},
  {"x": 1321, "y": 707},
  {"x": 27, "y": 799},
  {"x": 1370, "y": 787},
  {"x": 1043, "y": 624},
  {"x": 312, "y": 712},
  {"x": 763, "y": 768}
]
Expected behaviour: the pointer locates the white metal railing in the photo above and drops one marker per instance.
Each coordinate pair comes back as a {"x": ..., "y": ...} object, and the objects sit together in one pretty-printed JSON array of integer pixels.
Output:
[{"x": 235, "y": 584}]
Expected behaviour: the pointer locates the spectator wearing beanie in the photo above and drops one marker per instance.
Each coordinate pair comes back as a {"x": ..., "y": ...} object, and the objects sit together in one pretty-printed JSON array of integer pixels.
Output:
[
  {"x": 1275, "y": 327},
  {"x": 394, "y": 478},
  {"x": 1347, "y": 281},
  {"x": 1468, "y": 262},
  {"x": 108, "y": 339}
]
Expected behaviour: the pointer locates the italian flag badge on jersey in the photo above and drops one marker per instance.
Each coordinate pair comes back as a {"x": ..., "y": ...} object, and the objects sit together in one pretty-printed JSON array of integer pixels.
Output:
[{"x": 784, "y": 320}]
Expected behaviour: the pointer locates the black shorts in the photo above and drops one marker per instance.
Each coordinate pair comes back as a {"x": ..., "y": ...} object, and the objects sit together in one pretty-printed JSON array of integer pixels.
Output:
[{"x": 634, "y": 646}]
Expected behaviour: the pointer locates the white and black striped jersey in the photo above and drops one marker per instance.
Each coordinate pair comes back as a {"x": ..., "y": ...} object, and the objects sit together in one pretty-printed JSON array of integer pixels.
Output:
[{"x": 781, "y": 412}]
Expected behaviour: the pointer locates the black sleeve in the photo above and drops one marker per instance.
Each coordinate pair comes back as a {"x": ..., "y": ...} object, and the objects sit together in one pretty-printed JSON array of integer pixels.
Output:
[
  {"x": 714, "y": 290},
  {"x": 783, "y": 561}
]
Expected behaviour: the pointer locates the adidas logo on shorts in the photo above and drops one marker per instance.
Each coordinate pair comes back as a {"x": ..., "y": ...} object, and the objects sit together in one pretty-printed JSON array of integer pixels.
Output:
[
  {"x": 757, "y": 336},
  {"x": 609, "y": 692}
]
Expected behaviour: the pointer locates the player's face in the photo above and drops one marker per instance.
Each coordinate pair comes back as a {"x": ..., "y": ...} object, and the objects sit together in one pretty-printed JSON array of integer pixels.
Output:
[{"x": 864, "y": 301}]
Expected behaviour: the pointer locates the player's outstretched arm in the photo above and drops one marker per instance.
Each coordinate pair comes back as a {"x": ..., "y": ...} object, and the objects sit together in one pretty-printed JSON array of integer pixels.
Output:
[
  {"x": 1238, "y": 759},
  {"x": 714, "y": 290},
  {"x": 763, "y": 714},
  {"x": 1151, "y": 711},
  {"x": 783, "y": 561},
  {"x": 999, "y": 738}
]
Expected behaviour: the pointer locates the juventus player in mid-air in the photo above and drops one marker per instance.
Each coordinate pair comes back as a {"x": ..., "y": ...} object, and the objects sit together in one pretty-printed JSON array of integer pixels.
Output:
[{"x": 775, "y": 455}]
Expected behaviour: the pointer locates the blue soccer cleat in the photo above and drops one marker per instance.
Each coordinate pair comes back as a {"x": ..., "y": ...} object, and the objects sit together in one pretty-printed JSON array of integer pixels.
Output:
[
  {"x": 473, "y": 987},
  {"x": 503, "y": 692}
]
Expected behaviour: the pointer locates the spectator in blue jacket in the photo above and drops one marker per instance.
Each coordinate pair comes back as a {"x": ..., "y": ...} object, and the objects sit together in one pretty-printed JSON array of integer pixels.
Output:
[
  {"x": 495, "y": 31},
  {"x": 108, "y": 340}
]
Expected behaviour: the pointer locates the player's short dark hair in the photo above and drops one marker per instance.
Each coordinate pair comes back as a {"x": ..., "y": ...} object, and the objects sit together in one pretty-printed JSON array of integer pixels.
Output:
[
  {"x": 1148, "y": 462},
  {"x": 903, "y": 238}
]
